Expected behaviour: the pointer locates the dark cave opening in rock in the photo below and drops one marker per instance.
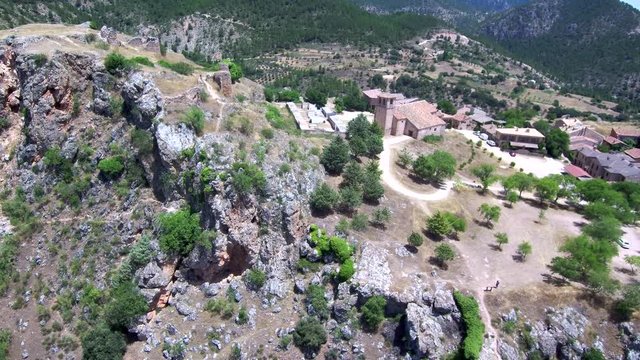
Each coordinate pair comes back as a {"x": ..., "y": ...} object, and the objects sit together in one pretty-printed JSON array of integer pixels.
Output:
[{"x": 235, "y": 263}]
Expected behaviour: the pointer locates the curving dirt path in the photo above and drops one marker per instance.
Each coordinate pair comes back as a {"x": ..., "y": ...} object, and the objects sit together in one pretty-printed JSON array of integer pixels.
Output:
[
  {"x": 215, "y": 96},
  {"x": 395, "y": 184}
]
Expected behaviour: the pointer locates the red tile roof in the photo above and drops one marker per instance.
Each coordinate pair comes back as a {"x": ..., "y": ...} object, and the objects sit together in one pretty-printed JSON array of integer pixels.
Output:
[
  {"x": 626, "y": 132},
  {"x": 576, "y": 171},
  {"x": 633, "y": 153},
  {"x": 419, "y": 113},
  {"x": 611, "y": 140}
]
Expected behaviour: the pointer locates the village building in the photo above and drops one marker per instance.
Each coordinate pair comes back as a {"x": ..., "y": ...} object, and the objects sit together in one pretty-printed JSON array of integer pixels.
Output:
[
  {"x": 610, "y": 143},
  {"x": 579, "y": 134},
  {"x": 460, "y": 120},
  {"x": 607, "y": 166},
  {"x": 480, "y": 117},
  {"x": 634, "y": 155},
  {"x": 518, "y": 138},
  {"x": 397, "y": 115},
  {"x": 626, "y": 135},
  {"x": 576, "y": 172}
]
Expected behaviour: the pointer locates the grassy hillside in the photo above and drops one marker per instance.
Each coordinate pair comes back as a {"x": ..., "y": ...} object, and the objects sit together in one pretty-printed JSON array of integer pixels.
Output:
[
  {"x": 270, "y": 24},
  {"x": 590, "y": 45}
]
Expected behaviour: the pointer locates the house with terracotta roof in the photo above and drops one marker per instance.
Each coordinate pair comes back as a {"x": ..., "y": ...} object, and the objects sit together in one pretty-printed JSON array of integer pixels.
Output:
[
  {"x": 576, "y": 172},
  {"x": 399, "y": 116},
  {"x": 579, "y": 135},
  {"x": 625, "y": 135},
  {"x": 460, "y": 120},
  {"x": 633, "y": 154}
]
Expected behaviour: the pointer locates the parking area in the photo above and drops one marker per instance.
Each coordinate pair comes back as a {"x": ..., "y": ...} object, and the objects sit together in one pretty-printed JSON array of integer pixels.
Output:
[{"x": 538, "y": 166}]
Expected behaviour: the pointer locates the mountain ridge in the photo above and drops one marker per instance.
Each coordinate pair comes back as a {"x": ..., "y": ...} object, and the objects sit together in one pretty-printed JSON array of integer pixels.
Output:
[{"x": 591, "y": 46}]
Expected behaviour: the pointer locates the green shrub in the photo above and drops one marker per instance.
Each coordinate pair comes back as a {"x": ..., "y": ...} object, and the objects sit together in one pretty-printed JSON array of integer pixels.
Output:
[
  {"x": 278, "y": 121},
  {"x": 60, "y": 166},
  {"x": 90, "y": 38},
  {"x": 8, "y": 257},
  {"x": 474, "y": 327},
  {"x": 71, "y": 193},
  {"x": 343, "y": 226},
  {"x": 304, "y": 265},
  {"x": 116, "y": 63},
  {"x": 243, "y": 316},
  {"x": 593, "y": 354},
  {"x": 102, "y": 45},
  {"x": 340, "y": 248},
  {"x": 247, "y": 178},
  {"x": 285, "y": 168},
  {"x": 432, "y": 139},
  {"x": 100, "y": 343},
  {"x": 125, "y": 306},
  {"x": 320, "y": 240},
  {"x": 266, "y": 133},
  {"x": 75, "y": 106},
  {"x": 319, "y": 304},
  {"x": 179, "y": 232},
  {"x": 142, "y": 140},
  {"x": 5, "y": 343},
  {"x": 359, "y": 222},
  {"x": 4, "y": 123},
  {"x": 347, "y": 269},
  {"x": 194, "y": 117},
  {"x": 373, "y": 312},
  {"x": 415, "y": 239},
  {"x": 309, "y": 335},
  {"x": 220, "y": 307},
  {"x": 20, "y": 214},
  {"x": 40, "y": 59},
  {"x": 181, "y": 68},
  {"x": 116, "y": 106},
  {"x": 256, "y": 278},
  {"x": 142, "y": 61},
  {"x": 111, "y": 167},
  {"x": 285, "y": 341},
  {"x": 203, "y": 96},
  {"x": 324, "y": 198}
]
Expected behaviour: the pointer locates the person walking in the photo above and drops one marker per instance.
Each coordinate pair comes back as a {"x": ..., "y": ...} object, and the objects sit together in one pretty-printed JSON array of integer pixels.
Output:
[{"x": 497, "y": 283}]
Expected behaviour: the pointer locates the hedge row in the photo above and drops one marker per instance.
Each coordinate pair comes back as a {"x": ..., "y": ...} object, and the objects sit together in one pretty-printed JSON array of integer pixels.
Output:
[{"x": 474, "y": 327}]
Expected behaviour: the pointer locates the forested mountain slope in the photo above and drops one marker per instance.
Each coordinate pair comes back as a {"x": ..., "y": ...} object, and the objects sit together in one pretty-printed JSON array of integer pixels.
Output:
[
  {"x": 265, "y": 25},
  {"x": 462, "y": 13},
  {"x": 591, "y": 45}
]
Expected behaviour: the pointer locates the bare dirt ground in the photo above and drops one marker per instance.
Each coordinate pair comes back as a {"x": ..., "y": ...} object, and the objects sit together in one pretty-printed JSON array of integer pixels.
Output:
[
  {"x": 604, "y": 128},
  {"x": 620, "y": 269}
]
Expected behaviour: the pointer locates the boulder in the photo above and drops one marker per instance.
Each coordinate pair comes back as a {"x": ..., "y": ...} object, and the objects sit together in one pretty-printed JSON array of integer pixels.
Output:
[
  {"x": 344, "y": 302},
  {"x": 172, "y": 141},
  {"x": 373, "y": 275},
  {"x": 507, "y": 352},
  {"x": 152, "y": 277},
  {"x": 142, "y": 100},
  {"x": 424, "y": 332}
]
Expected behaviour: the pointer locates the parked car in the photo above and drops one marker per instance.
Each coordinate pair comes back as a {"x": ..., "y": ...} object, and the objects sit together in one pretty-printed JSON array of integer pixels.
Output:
[
  {"x": 512, "y": 154},
  {"x": 484, "y": 137},
  {"x": 476, "y": 133},
  {"x": 491, "y": 143},
  {"x": 623, "y": 244}
]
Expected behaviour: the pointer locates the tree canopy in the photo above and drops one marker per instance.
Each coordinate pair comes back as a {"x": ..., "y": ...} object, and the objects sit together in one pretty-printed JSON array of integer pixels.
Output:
[{"x": 436, "y": 167}]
